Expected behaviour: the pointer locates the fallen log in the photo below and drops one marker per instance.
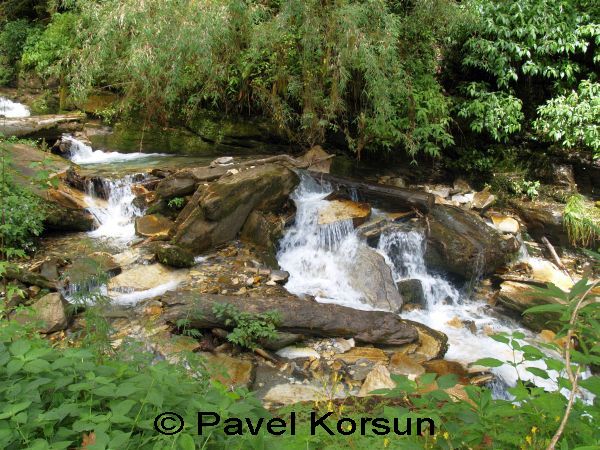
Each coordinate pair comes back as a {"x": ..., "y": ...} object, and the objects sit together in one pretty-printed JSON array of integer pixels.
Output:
[
  {"x": 303, "y": 316},
  {"x": 388, "y": 196},
  {"x": 49, "y": 127}
]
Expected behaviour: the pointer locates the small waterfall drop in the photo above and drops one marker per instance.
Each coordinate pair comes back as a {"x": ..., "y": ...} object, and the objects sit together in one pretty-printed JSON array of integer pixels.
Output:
[
  {"x": 13, "y": 110},
  {"x": 81, "y": 153},
  {"x": 117, "y": 214}
]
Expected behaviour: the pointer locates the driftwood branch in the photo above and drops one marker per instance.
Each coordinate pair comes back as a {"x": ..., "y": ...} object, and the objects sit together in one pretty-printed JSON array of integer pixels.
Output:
[
  {"x": 554, "y": 255},
  {"x": 48, "y": 127},
  {"x": 302, "y": 316}
]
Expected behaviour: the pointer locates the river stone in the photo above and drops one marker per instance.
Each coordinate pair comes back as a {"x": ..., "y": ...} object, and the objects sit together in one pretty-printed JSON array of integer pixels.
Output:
[
  {"x": 445, "y": 367},
  {"x": 228, "y": 370},
  {"x": 153, "y": 225},
  {"x": 412, "y": 292},
  {"x": 217, "y": 212},
  {"x": 49, "y": 311},
  {"x": 298, "y": 353},
  {"x": 432, "y": 344},
  {"x": 505, "y": 224},
  {"x": 264, "y": 229},
  {"x": 144, "y": 277},
  {"x": 543, "y": 218},
  {"x": 461, "y": 186},
  {"x": 460, "y": 242},
  {"x": 369, "y": 353},
  {"x": 378, "y": 378},
  {"x": 341, "y": 210},
  {"x": 518, "y": 297},
  {"x": 173, "y": 255},
  {"x": 316, "y": 158},
  {"x": 369, "y": 275},
  {"x": 287, "y": 394},
  {"x": 401, "y": 364},
  {"x": 483, "y": 200}
]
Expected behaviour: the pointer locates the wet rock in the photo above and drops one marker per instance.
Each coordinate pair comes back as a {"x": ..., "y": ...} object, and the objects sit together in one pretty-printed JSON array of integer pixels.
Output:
[
  {"x": 542, "y": 218},
  {"x": 287, "y": 394},
  {"x": 462, "y": 199},
  {"x": 298, "y": 353},
  {"x": 153, "y": 225},
  {"x": 341, "y": 210},
  {"x": 28, "y": 278},
  {"x": 279, "y": 276},
  {"x": 439, "y": 190},
  {"x": 461, "y": 186},
  {"x": 412, "y": 292},
  {"x": 49, "y": 269},
  {"x": 106, "y": 262},
  {"x": 141, "y": 278},
  {"x": 49, "y": 127},
  {"x": 444, "y": 367},
  {"x": 460, "y": 242},
  {"x": 562, "y": 175},
  {"x": 317, "y": 158},
  {"x": 401, "y": 364},
  {"x": 172, "y": 346},
  {"x": 378, "y": 378},
  {"x": 520, "y": 296},
  {"x": 369, "y": 274},
  {"x": 217, "y": 212},
  {"x": 483, "y": 200},
  {"x": 432, "y": 344},
  {"x": 229, "y": 370},
  {"x": 281, "y": 340},
  {"x": 264, "y": 229},
  {"x": 49, "y": 312},
  {"x": 173, "y": 255},
  {"x": 358, "y": 353},
  {"x": 222, "y": 161},
  {"x": 505, "y": 224}
]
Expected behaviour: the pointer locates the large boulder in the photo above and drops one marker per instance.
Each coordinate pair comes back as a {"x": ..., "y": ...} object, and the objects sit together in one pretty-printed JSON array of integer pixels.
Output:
[
  {"x": 460, "y": 242},
  {"x": 543, "y": 218},
  {"x": 217, "y": 212},
  {"x": 49, "y": 314},
  {"x": 341, "y": 210},
  {"x": 173, "y": 255},
  {"x": 65, "y": 207},
  {"x": 153, "y": 225},
  {"x": 412, "y": 292},
  {"x": 371, "y": 276},
  {"x": 185, "y": 181},
  {"x": 264, "y": 229},
  {"x": 518, "y": 297}
]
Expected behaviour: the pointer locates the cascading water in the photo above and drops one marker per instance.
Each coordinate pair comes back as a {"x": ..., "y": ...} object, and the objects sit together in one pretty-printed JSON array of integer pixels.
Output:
[
  {"x": 82, "y": 153},
  {"x": 115, "y": 215},
  {"x": 12, "y": 109},
  {"x": 316, "y": 257}
]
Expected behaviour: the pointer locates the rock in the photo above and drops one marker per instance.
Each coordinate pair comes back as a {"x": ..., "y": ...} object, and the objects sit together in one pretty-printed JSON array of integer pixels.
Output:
[
  {"x": 483, "y": 200},
  {"x": 505, "y": 224},
  {"x": 439, "y": 190},
  {"x": 461, "y": 186},
  {"x": 298, "y": 353},
  {"x": 369, "y": 275},
  {"x": 153, "y": 225},
  {"x": 173, "y": 255},
  {"x": 401, "y": 364},
  {"x": 341, "y": 210},
  {"x": 281, "y": 340},
  {"x": 222, "y": 161},
  {"x": 228, "y": 370},
  {"x": 49, "y": 270},
  {"x": 49, "y": 311},
  {"x": 432, "y": 344},
  {"x": 378, "y": 378},
  {"x": 397, "y": 182},
  {"x": 28, "y": 278},
  {"x": 520, "y": 296},
  {"x": 462, "y": 199},
  {"x": 412, "y": 292},
  {"x": 177, "y": 185},
  {"x": 217, "y": 212},
  {"x": 171, "y": 346},
  {"x": 444, "y": 367},
  {"x": 549, "y": 337},
  {"x": 460, "y": 242},
  {"x": 49, "y": 127},
  {"x": 264, "y": 229},
  {"x": 287, "y": 394},
  {"x": 279, "y": 276},
  {"x": 562, "y": 175},
  {"x": 368, "y": 353},
  {"x": 142, "y": 278},
  {"x": 542, "y": 218},
  {"x": 106, "y": 262},
  {"x": 342, "y": 345},
  {"x": 316, "y": 157}
]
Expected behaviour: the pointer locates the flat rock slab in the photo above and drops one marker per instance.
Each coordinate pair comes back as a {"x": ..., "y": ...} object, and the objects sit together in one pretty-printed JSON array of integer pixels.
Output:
[{"x": 339, "y": 210}]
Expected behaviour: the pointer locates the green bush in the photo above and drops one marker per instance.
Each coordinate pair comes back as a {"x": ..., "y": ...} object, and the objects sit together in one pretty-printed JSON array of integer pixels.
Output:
[{"x": 13, "y": 36}]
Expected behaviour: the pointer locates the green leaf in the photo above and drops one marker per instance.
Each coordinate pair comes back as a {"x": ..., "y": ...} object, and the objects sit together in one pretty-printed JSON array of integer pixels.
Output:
[
  {"x": 11, "y": 410},
  {"x": 592, "y": 384},
  {"x": 447, "y": 381},
  {"x": 20, "y": 347},
  {"x": 488, "y": 362},
  {"x": 186, "y": 442},
  {"x": 538, "y": 372}
]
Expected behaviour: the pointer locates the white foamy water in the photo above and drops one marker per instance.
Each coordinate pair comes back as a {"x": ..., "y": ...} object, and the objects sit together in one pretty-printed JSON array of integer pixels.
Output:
[
  {"x": 316, "y": 257},
  {"x": 81, "y": 153},
  {"x": 12, "y": 109},
  {"x": 131, "y": 298},
  {"x": 116, "y": 215}
]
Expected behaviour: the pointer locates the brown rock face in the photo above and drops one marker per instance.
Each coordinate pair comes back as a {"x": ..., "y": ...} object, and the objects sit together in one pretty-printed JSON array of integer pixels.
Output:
[
  {"x": 543, "y": 218},
  {"x": 519, "y": 297},
  {"x": 217, "y": 212},
  {"x": 338, "y": 210},
  {"x": 49, "y": 312},
  {"x": 153, "y": 225}
]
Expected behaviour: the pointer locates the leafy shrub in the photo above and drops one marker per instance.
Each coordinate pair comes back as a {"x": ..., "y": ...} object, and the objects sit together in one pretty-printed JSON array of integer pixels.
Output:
[
  {"x": 176, "y": 203},
  {"x": 248, "y": 329},
  {"x": 13, "y": 36},
  {"x": 573, "y": 119}
]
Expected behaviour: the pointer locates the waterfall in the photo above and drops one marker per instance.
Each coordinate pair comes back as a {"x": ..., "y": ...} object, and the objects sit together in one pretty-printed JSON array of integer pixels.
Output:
[
  {"x": 315, "y": 256},
  {"x": 12, "y": 110},
  {"x": 82, "y": 153},
  {"x": 117, "y": 214}
]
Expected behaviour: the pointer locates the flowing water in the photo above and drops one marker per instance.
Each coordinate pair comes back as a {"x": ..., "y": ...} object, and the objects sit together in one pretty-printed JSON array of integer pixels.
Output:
[
  {"x": 317, "y": 258},
  {"x": 12, "y": 109}
]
